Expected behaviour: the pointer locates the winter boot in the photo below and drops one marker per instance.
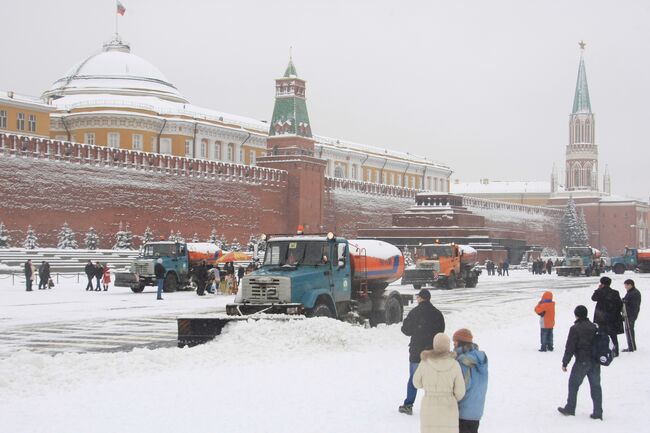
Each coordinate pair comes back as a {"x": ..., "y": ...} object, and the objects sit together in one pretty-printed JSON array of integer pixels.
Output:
[
  {"x": 594, "y": 416},
  {"x": 406, "y": 408},
  {"x": 565, "y": 411}
]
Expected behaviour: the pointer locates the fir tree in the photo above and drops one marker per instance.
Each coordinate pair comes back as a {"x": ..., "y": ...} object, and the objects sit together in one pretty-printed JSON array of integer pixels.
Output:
[
  {"x": 179, "y": 237},
  {"x": 147, "y": 236},
  {"x": 195, "y": 238},
  {"x": 5, "y": 239},
  {"x": 549, "y": 252},
  {"x": 408, "y": 257},
  {"x": 31, "y": 240},
  {"x": 569, "y": 226},
  {"x": 213, "y": 237},
  {"x": 172, "y": 236},
  {"x": 252, "y": 243},
  {"x": 66, "y": 240},
  {"x": 92, "y": 240},
  {"x": 235, "y": 246},
  {"x": 123, "y": 238},
  {"x": 224, "y": 243},
  {"x": 583, "y": 230}
]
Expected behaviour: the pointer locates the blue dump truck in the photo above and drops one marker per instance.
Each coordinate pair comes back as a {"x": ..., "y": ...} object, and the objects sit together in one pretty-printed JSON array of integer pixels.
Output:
[
  {"x": 632, "y": 260},
  {"x": 580, "y": 261},
  {"x": 313, "y": 275},
  {"x": 178, "y": 258}
]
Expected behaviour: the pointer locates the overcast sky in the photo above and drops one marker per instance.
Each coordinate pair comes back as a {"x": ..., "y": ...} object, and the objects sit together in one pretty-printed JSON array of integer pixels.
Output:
[{"x": 484, "y": 86}]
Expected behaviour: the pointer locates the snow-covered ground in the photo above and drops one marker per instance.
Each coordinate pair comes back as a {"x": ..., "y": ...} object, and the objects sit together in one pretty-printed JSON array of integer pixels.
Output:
[{"x": 316, "y": 375}]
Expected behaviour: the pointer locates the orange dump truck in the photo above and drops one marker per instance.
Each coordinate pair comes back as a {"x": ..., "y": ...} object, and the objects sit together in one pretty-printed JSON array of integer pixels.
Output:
[{"x": 444, "y": 265}]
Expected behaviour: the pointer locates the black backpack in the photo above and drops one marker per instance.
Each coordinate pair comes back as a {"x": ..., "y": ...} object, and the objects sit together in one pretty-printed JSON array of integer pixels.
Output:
[{"x": 600, "y": 350}]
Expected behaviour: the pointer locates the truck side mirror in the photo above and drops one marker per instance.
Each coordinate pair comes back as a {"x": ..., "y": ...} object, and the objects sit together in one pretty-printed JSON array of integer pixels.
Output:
[{"x": 342, "y": 262}]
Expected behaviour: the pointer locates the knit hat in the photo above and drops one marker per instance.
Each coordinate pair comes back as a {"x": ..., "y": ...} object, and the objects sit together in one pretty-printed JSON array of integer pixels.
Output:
[
  {"x": 441, "y": 343},
  {"x": 424, "y": 294},
  {"x": 464, "y": 335},
  {"x": 159, "y": 261},
  {"x": 606, "y": 281},
  {"x": 580, "y": 312}
]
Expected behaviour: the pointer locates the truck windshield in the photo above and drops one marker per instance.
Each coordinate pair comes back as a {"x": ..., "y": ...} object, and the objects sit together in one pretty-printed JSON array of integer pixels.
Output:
[
  {"x": 437, "y": 250},
  {"x": 581, "y": 252},
  {"x": 293, "y": 253},
  {"x": 159, "y": 250}
]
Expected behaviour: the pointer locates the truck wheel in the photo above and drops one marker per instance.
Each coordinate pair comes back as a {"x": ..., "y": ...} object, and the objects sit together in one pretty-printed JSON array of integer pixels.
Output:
[
  {"x": 619, "y": 268},
  {"x": 321, "y": 310},
  {"x": 471, "y": 283},
  {"x": 394, "y": 312},
  {"x": 417, "y": 287},
  {"x": 587, "y": 272},
  {"x": 451, "y": 281},
  {"x": 137, "y": 289},
  {"x": 170, "y": 283}
]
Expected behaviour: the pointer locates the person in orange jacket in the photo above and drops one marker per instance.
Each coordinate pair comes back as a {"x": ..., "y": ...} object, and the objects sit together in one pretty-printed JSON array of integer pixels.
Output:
[{"x": 545, "y": 308}]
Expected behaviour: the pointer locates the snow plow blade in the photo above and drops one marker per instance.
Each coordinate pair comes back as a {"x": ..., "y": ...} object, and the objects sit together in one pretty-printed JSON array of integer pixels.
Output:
[
  {"x": 198, "y": 330},
  {"x": 126, "y": 279}
]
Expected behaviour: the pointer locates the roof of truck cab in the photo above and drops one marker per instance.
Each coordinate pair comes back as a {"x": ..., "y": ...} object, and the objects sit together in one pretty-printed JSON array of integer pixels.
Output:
[{"x": 301, "y": 238}]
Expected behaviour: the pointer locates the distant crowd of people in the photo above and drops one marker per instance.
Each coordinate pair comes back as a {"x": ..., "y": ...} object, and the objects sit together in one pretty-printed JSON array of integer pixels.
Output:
[
  {"x": 43, "y": 274},
  {"x": 502, "y": 268},
  {"x": 100, "y": 273}
]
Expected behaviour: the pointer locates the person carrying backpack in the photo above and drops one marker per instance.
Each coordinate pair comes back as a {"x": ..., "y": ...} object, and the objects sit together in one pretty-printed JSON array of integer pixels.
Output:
[
  {"x": 579, "y": 344},
  {"x": 609, "y": 307}
]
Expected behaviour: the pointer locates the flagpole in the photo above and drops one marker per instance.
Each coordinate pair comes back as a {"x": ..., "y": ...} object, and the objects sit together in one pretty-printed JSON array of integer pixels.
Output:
[{"x": 116, "y": 33}]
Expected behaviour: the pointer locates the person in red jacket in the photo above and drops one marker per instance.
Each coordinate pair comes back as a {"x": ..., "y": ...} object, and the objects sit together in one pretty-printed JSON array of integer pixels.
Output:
[{"x": 545, "y": 308}]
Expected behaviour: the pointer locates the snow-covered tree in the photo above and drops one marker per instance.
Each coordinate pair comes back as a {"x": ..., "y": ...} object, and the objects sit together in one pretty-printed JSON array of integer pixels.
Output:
[
  {"x": 92, "y": 240},
  {"x": 549, "y": 252},
  {"x": 213, "y": 239},
  {"x": 408, "y": 258},
  {"x": 235, "y": 246},
  {"x": 224, "y": 243},
  {"x": 569, "y": 226},
  {"x": 31, "y": 240},
  {"x": 147, "y": 236},
  {"x": 123, "y": 238},
  {"x": 195, "y": 238},
  {"x": 252, "y": 242},
  {"x": 5, "y": 239},
  {"x": 604, "y": 251},
  {"x": 179, "y": 237},
  {"x": 66, "y": 240},
  {"x": 583, "y": 230},
  {"x": 172, "y": 236}
]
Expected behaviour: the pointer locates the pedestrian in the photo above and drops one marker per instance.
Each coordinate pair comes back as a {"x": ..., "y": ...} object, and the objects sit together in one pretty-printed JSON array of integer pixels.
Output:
[
  {"x": 506, "y": 267},
  {"x": 500, "y": 269},
  {"x": 201, "y": 275},
  {"x": 632, "y": 303},
  {"x": 106, "y": 278},
  {"x": 99, "y": 273},
  {"x": 159, "y": 271},
  {"x": 549, "y": 266},
  {"x": 474, "y": 366},
  {"x": 578, "y": 345},
  {"x": 44, "y": 276},
  {"x": 545, "y": 308},
  {"x": 608, "y": 310},
  {"x": 29, "y": 275},
  {"x": 440, "y": 376},
  {"x": 421, "y": 324},
  {"x": 241, "y": 272},
  {"x": 89, "y": 269}
]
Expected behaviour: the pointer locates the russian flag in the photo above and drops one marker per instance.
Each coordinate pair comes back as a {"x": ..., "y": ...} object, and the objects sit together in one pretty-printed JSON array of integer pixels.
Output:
[{"x": 120, "y": 8}]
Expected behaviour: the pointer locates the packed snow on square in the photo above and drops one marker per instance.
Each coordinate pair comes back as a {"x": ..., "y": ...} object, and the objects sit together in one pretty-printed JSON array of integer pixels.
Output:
[{"x": 314, "y": 375}]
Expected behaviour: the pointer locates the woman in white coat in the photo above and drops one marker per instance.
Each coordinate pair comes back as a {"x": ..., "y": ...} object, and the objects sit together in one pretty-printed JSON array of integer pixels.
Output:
[{"x": 442, "y": 380}]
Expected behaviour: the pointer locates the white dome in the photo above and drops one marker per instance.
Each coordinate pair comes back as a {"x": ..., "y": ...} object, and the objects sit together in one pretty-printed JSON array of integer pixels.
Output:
[{"x": 115, "y": 71}]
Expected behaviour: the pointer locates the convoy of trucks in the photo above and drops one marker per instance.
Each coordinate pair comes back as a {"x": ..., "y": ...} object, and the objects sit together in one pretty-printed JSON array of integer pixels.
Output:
[
  {"x": 314, "y": 275},
  {"x": 580, "y": 261},
  {"x": 178, "y": 258},
  {"x": 633, "y": 259},
  {"x": 444, "y": 265}
]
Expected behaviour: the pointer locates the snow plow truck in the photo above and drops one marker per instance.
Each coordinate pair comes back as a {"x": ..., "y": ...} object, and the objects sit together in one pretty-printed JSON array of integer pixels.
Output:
[
  {"x": 632, "y": 259},
  {"x": 178, "y": 258},
  {"x": 313, "y": 275},
  {"x": 444, "y": 265},
  {"x": 580, "y": 261}
]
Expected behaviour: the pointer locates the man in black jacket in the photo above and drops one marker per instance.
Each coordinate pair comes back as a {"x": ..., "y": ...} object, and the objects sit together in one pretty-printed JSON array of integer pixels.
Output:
[
  {"x": 608, "y": 310},
  {"x": 578, "y": 344},
  {"x": 89, "y": 269},
  {"x": 159, "y": 271},
  {"x": 201, "y": 274},
  {"x": 422, "y": 324},
  {"x": 632, "y": 302},
  {"x": 28, "y": 275},
  {"x": 44, "y": 276}
]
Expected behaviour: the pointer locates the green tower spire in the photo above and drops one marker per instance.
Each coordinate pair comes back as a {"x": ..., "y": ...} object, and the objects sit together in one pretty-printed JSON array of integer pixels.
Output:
[
  {"x": 290, "y": 115},
  {"x": 581, "y": 103}
]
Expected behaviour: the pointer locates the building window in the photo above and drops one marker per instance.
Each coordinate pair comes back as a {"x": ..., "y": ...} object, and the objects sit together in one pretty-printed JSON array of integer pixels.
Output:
[
  {"x": 136, "y": 142},
  {"x": 231, "y": 152},
  {"x": 89, "y": 138},
  {"x": 354, "y": 171},
  {"x": 203, "y": 149},
  {"x": 3, "y": 119},
  {"x": 338, "y": 172},
  {"x": 253, "y": 157},
  {"x": 241, "y": 155},
  {"x": 31, "y": 123},
  {"x": 166, "y": 146},
  {"x": 20, "y": 122},
  {"x": 188, "y": 148},
  {"x": 377, "y": 177},
  {"x": 217, "y": 150},
  {"x": 114, "y": 139}
]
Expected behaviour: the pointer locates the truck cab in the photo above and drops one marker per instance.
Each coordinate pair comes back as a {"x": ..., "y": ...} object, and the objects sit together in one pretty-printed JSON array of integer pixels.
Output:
[
  {"x": 628, "y": 261},
  {"x": 443, "y": 265},
  {"x": 174, "y": 257},
  {"x": 580, "y": 261}
]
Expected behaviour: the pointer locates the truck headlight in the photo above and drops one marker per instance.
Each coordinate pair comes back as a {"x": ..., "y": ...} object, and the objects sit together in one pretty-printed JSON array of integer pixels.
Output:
[{"x": 292, "y": 310}]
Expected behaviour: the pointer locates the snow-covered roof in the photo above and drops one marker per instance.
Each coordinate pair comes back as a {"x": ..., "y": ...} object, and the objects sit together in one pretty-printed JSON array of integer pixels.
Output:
[
  {"x": 32, "y": 101},
  {"x": 501, "y": 187},
  {"x": 114, "y": 70}
]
